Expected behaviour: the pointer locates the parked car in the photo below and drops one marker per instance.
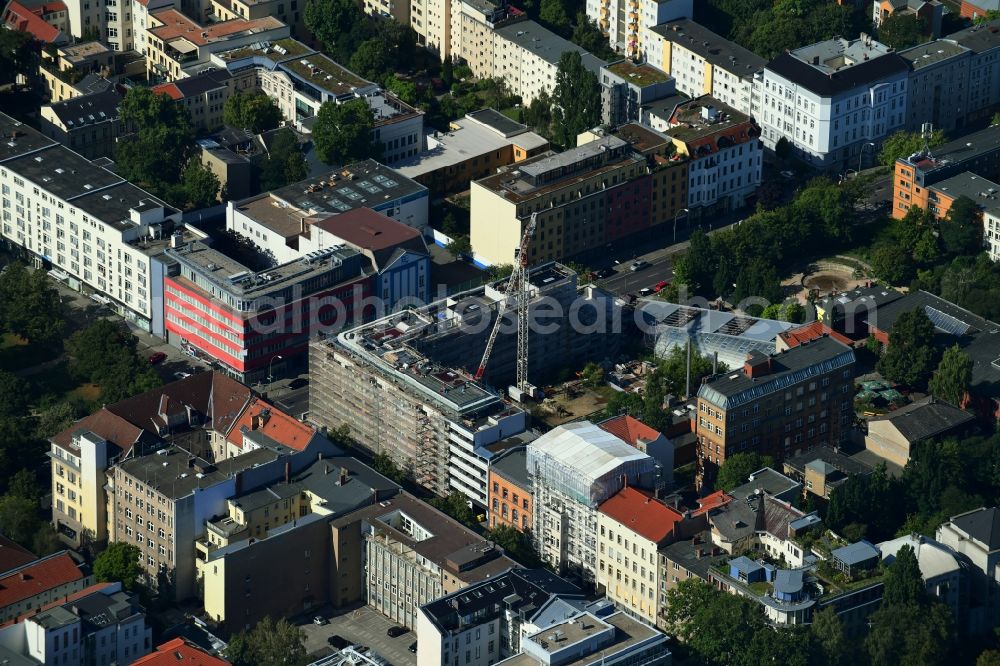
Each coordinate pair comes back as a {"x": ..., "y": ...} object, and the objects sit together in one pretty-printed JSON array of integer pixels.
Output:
[
  {"x": 319, "y": 620},
  {"x": 297, "y": 383},
  {"x": 661, "y": 285},
  {"x": 157, "y": 357},
  {"x": 395, "y": 632},
  {"x": 413, "y": 647},
  {"x": 338, "y": 642},
  {"x": 181, "y": 375},
  {"x": 639, "y": 265},
  {"x": 604, "y": 273},
  {"x": 645, "y": 291}
]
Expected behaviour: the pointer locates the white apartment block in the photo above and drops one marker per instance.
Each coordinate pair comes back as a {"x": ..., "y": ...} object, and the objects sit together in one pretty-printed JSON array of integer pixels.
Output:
[
  {"x": 991, "y": 232},
  {"x": 702, "y": 62},
  {"x": 573, "y": 469},
  {"x": 473, "y": 23},
  {"x": 832, "y": 101},
  {"x": 431, "y": 20},
  {"x": 91, "y": 228},
  {"x": 938, "y": 90},
  {"x": 526, "y": 55},
  {"x": 126, "y": 22},
  {"x": 624, "y": 21}
]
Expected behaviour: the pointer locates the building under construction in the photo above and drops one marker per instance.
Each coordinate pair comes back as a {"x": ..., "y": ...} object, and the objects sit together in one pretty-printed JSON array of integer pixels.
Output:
[{"x": 404, "y": 383}]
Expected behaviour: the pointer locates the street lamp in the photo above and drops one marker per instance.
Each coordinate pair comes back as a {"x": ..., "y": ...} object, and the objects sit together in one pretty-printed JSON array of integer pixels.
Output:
[
  {"x": 270, "y": 377},
  {"x": 861, "y": 153},
  {"x": 676, "y": 215}
]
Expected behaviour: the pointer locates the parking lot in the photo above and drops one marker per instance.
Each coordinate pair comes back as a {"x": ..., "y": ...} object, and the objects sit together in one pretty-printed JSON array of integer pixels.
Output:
[{"x": 360, "y": 626}]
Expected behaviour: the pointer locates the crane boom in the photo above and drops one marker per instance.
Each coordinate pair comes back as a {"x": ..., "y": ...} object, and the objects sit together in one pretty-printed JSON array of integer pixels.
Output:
[{"x": 514, "y": 296}]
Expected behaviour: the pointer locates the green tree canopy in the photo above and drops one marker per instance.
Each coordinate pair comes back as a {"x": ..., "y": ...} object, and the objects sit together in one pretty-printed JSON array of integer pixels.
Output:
[
  {"x": 343, "y": 132},
  {"x": 339, "y": 25},
  {"x": 892, "y": 264},
  {"x": 953, "y": 376},
  {"x": 18, "y": 51},
  {"x": 911, "y": 356},
  {"x": 588, "y": 36},
  {"x": 269, "y": 643},
  {"x": 284, "y": 163},
  {"x": 119, "y": 562},
  {"x": 29, "y": 305},
  {"x": 553, "y": 14},
  {"x": 737, "y": 468},
  {"x": 372, "y": 59},
  {"x": 13, "y": 395},
  {"x": 903, "y": 581},
  {"x": 901, "y": 31},
  {"x": 457, "y": 506},
  {"x": 105, "y": 353},
  {"x": 201, "y": 186},
  {"x": 828, "y": 634},
  {"x": 516, "y": 544},
  {"x": 255, "y": 112},
  {"x": 910, "y": 634},
  {"x": 576, "y": 99},
  {"x": 962, "y": 228},
  {"x": 902, "y": 144},
  {"x": 384, "y": 465},
  {"x": 162, "y": 141}
]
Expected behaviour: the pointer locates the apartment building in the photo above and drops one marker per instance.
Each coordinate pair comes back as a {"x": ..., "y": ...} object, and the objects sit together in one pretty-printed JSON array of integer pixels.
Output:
[
  {"x": 723, "y": 151},
  {"x": 280, "y": 221},
  {"x": 91, "y": 228},
  {"x": 124, "y": 25},
  {"x": 158, "y": 503},
  {"x": 573, "y": 470},
  {"x": 247, "y": 318},
  {"x": 975, "y": 537},
  {"x": 777, "y": 405},
  {"x": 100, "y": 624},
  {"x": 914, "y": 175},
  {"x": 291, "y": 12},
  {"x": 473, "y": 25},
  {"x": 260, "y": 529},
  {"x": 526, "y": 55},
  {"x": 583, "y": 197},
  {"x": 939, "y": 85},
  {"x": 62, "y": 70},
  {"x": 473, "y": 147},
  {"x": 624, "y": 22},
  {"x": 87, "y": 124},
  {"x": 702, "y": 62},
  {"x": 179, "y": 649},
  {"x": 626, "y": 87},
  {"x": 40, "y": 582},
  {"x": 690, "y": 557},
  {"x": 930, "y": 12},
  {"x": 633, "y": 526},
  {"x": 645, "y": 438},
  {"x": 175, "y": 42},
  {"x": 204, "y": 96},
  {"x": 412, "y": 555},
  {"x": 510, "y": 495},
  {"x": 46, "y": 22},
  {"x": 832, "y": 101},
  {"x": 984, "y": 75},
  {"x": 991, "y": 232},
  {"x": 894, "y": 436},
  {"x": 508, "y": 607}
]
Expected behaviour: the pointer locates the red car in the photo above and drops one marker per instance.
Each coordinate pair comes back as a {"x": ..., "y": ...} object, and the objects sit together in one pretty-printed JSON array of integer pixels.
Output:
[
  {"x": 661, "y": 285},
  {"x": 158, "y": 357}
]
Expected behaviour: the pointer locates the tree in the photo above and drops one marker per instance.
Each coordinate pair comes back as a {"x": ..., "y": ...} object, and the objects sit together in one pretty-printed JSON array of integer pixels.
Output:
[
  {"x": 892, "y": 263},
  {"x": 24, "y": 484},
  {"x": 593, "y": 375},
  {"x": 18, "y": 52},
  {"x": 576, "y": 99},
  {"x": 553, "y": 15},
  {"x": 340, "y": 25},
  {"x": 119, "y": 562},
  {"x": 447, "y": 72},
  {"x": 903, "y": 582},
  {"x": 901, "y": 31},
  {"x": 828, "y": 636},
  {"x": 104, "y": 353},
  {"x": 13, "y": 395},
  {"x": 902, "y": 144},
  {"x": 988, "y": 658},
  {"x": 589, "y": 37},
  {"x": 624, "y": 403},
  {"x": 953, "y": 376},
  {"x": 29, "y": 305},
  {"x": 459, "y": 246},
  {"x": 269, "y": 643},
  {"x": 372, "y": 59},
  {"x": 384, "y": 465},
  {"x": 456, "y": 506},
  {"x": 697, "y": 267},
  {"x": 911, "y": 356},
  {"x": 670, "y": 373},
  {"x": 538, "y": 114},
  {"x": 961, "y": 230},
  {"x": 343, "y": 132},
  {"x": 160, "y": 144},
  {"x": 201, "y": 186},
  {"x": 737, "y": 468},
  {"x": 909, "y": 634},
  {"x": 255, "y": 112},
  {"x": 18, "y": 518},
  {"x": 516, "y": 544},
  {"x": 284, "y": 164}
]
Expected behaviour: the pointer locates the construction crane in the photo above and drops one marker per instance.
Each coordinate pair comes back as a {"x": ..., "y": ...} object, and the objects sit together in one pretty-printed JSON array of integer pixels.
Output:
[{"x": 517, "y": 296}]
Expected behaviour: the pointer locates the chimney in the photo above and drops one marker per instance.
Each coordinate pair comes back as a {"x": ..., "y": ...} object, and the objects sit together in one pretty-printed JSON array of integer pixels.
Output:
[
  {"x": 345, "y": 476},
  {"x": 757, "y": 365},
  {"x": 260, "y": 419},
  {"x": 288, "y": 471}
]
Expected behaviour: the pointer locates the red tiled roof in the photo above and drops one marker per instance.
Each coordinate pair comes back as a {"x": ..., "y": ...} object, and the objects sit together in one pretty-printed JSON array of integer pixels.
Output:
[
  {"x": 168, "y": 89},
  {"x": 630, "y": 429},
  {"x": 641, "y": 513},
  {"x": 20, "y": 18},
  {"x": 104, "y": 424},
  {"x": 85, "y": 592},
  {"x": 794, "y": 337},
  {"x": 179, "y": 651},
  {"x": 51, "y": 7},
  {"x": 13, "y": 555},
  {"x": 36, "y": 578},
  {"x": 277, "y": 425},
  {"x": 177, "y": 25},
  {"x": 714, "y": 501}
]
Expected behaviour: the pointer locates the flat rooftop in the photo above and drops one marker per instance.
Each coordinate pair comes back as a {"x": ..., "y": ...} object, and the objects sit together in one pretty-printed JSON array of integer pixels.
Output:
[
  {"x": 690, "y": 122},
  {"x": 979, "y": 38},
  {"x": 175, "y": 473},
  {"x": 177, "y": 26},
  {"x": 970, "y": 147},
  {"x": 642, "y": 138},
  {"x": 712, "y": 47},
  {"x": 323, "y": 72},
  {"x": 366, "y": 184},
  {"x": 277, "y": 50},
  {"x": 931, "y": 53},
  {"x": 640, "y": 75},
  {"x": 82, "y": 51},
  {"x": 496, "y": 121},
  {"x": 834, "y": 55},
  {"x": 983, "y": 191},
  {"x": 545, "y": 44},
  {"x": 466, "y": 141},
  {"x": 627, "y": 634}
]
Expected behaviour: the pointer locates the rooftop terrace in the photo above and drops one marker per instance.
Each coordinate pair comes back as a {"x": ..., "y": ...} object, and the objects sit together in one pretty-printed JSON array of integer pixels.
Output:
[
  {"x": 278, "y": 50},
  {"x": 640, "y": 75},
  {"x": 324, "y": 73}
]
